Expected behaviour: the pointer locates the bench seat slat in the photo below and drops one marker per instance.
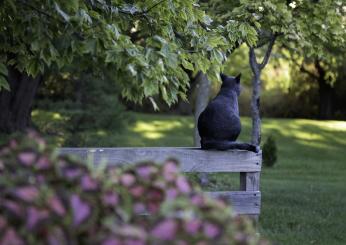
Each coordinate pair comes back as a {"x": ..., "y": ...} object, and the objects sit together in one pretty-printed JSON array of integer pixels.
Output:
[
  {"x": 191, "y": 159},
  {"x": 243, "y": 202}
]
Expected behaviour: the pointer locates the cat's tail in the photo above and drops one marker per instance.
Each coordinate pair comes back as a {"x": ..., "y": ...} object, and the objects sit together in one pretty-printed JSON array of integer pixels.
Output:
[{"x": 222, "y": 145}]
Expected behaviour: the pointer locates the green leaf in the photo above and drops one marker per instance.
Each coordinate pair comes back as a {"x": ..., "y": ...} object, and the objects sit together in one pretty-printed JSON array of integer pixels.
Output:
[
  {"x": 4, "y": 84},
  {"x": 65, "y": 16},
  {"x": 3, "y": 70},
  {"x": 187, "y": 65},
  {"x": 131, "y": 68}
]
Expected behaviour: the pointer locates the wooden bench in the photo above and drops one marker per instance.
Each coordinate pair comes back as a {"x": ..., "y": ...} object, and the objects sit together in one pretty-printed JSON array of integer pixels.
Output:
[{"x": 245, "y": 201}]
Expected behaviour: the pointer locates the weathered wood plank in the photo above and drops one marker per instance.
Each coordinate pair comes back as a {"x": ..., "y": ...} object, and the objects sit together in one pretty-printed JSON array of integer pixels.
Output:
[
  {"x": 249, "y": 181},
  {"x": 243, "y": 202},
  {"x": 191, "y": 159}
]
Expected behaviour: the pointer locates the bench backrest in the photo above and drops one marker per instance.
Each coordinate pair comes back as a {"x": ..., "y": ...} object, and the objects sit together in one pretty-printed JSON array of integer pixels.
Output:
[{"x": 246, "y": 200}]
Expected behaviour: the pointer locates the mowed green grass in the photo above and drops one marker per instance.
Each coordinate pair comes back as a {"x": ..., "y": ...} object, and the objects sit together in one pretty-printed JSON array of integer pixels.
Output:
[{"x": 303, "y": 195}]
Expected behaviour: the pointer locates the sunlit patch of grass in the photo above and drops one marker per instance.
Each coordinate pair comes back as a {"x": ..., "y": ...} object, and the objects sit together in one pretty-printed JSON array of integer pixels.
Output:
[{"x": 156, "y": 129}]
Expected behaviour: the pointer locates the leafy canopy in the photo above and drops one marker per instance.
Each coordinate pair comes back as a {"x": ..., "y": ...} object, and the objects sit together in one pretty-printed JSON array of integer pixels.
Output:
[{"x": 148, "y": 44}]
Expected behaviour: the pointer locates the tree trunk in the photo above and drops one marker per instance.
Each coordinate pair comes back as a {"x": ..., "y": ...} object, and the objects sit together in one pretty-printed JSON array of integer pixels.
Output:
[
  {"x": 202, "y": 98},
  {"x": 326, "y": 92},
  {"x": 201, "y": 102},
  {"x": 15, "y": 105},
  {"x": 255, "y": 110},
  {"x": 255, "y": 100},
  {"x": 256, "y": 90}
]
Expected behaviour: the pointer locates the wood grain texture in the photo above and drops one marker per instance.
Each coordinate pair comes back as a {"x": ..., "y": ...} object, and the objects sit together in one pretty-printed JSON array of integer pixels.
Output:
[
  {"x": 249, "y": 181},
  {"x": 243, "y": 202},
  {"x": 191, "y": 159}
]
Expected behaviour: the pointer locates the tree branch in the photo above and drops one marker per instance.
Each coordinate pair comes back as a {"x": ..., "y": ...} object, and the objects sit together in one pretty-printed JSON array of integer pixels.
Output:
[
  {"x": 268, "y": 52},
  {"x": 253, "y": 61},
  {"x": 152, "y": 7}
]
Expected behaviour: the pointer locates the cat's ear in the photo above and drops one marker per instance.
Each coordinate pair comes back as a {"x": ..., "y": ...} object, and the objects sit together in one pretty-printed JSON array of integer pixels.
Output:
[
  {"x": 237, "y": 78},
  {"x": 223, "y": 76}
]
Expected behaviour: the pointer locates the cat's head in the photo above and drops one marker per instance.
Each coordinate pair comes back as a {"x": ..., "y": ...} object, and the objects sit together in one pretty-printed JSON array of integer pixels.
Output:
[{"x": 230, "y": 82}]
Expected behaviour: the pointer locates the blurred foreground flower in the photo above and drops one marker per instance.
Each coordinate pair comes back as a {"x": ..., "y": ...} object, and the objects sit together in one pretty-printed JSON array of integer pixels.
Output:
[{"x": 50, "y": 199}]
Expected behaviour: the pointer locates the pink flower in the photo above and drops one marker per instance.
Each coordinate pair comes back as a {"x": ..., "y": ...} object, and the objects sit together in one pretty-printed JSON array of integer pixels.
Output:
[
  {"x": 171, "y": 193},
  {"x": 11, "y": 238},
  {"x": 88, "y": 184},
  {"x": 72, "y": 173},
  {"x": 127, "y": 179},
  {"x": 170, "y": 170},
  {"x": 26, "y": 193},
  {"x": 3, "y": 223},
  {"x": 192, "y": 226},
  {"x": 12, "y": 207},
  {"x": 57, "y": 206},
  {"x": 165, "y": 230},
  {"x": 211, "y": 230},
  {"x": 183, "y": 185},
  {"x": 139, "y": 208},
  {"x": 81, "y": 210},
  {"x": 197, "y": 200},
  {"x": 137, "y": 191},
  {"x": 27, "y": 158},
  {"x": 134, "y": 242},
  {"x": 35, "y": 216},
  {"x": 112, "y": 241},
  {"x": 43, "y": 163},
  {"x": 110, "y": 199},
  {"x": 145, "y": 171}
]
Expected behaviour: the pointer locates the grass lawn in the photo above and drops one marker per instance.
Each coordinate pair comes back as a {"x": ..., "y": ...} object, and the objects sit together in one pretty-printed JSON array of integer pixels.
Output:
[{"x": 303, "y": 195}]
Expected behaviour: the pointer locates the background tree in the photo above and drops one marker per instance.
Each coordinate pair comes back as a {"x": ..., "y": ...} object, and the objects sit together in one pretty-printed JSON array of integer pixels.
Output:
[
  {"x": 147, "y": 45},
  {"x": 302, "y": 24}
]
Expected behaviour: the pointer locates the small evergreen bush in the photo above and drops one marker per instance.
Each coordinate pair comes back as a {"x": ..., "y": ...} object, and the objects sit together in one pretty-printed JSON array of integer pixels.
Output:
[
  {"x": 50, "y": 199},
  {"x": 269, "y": 152}
]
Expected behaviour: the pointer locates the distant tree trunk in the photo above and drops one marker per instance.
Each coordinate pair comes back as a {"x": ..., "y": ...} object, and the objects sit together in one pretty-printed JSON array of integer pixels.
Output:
[
  {"x": 255, "y": 100},
  {"x": 16, "y": 105},
  {"x": 326, "y": 92},
  {"x": 201, "y": 102},
  {"x": 203, "y": 88},
  {"x": 256, "y": 90}
]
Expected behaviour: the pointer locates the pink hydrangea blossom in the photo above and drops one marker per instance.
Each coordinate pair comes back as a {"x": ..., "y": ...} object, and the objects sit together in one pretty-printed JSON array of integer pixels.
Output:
[
  {"x": 43, "y": 163},
  {"x": 211, "y": 230},
  {"x": 34, "y": 216},
  {"x": 112, "y": 241},
  {"x": 137, "y": 191},
  {"x": 57, "y": 206},
  {"x": 183, "y": 185},
  {"x": 170, "y": 170},
  {"x": 110, "y": 199},
  {"x": 171, "y": 193},
  {"x": 127, "y": 179},
  {"x": 81, "y": 209},
  {"x": 11, "y": 237},
  {"x": 192, "y": 226},
  {"x": 27, "y": 193},
  {"x": 88, "y": 184},
  {"x": 145, "y": 171},
  {"x": 165, "y": 230},
  {"x": 27, "y": 158}
]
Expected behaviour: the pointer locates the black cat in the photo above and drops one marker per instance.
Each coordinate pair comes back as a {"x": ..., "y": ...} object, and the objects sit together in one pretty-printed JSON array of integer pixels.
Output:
[{"x": 219, "y": 124}]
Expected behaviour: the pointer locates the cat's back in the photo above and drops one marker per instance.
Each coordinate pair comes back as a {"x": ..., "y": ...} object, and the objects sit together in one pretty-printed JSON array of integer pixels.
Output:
[{"x": 219, "y": 119}]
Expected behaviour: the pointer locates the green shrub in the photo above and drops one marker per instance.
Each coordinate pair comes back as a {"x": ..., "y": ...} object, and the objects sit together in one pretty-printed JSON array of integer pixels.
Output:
[
  {"x": 269, "y": 152},
  {"x": 50, "y": 199}
]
